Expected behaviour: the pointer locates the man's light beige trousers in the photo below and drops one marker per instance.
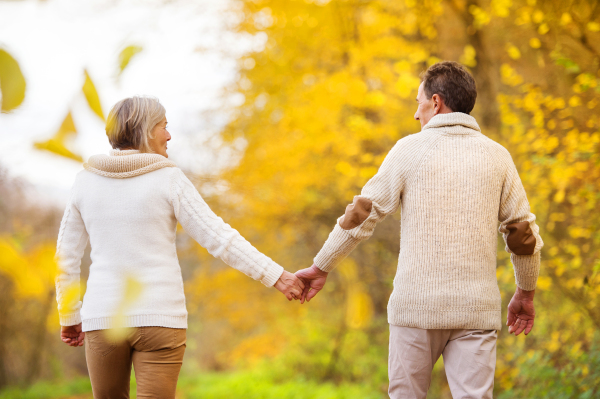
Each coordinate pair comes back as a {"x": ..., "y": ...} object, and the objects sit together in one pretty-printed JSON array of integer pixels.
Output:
[
  {"x": 155, "y": 352},
  {"x": 469, "y": 360}
]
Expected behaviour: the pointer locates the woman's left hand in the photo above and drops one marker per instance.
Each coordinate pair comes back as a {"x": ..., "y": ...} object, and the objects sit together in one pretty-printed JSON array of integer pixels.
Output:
[
  {"x": 72, "y": 335},
  {"x": 290, "y": 286}
]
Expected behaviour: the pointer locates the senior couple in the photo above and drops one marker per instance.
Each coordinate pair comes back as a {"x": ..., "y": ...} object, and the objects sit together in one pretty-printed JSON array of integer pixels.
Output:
[{"x": 453, "y": 184}]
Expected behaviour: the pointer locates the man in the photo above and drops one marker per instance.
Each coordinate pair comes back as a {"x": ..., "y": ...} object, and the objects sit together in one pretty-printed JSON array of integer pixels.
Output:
[{"x": 454, "y": 184}]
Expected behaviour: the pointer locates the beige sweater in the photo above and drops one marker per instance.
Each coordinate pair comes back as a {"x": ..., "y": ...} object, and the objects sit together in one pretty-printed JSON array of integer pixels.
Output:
[{"x": 453, "y": 185}]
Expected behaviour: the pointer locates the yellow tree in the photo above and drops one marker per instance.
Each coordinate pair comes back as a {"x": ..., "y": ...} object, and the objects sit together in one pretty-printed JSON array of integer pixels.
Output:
[{"x": 333, "y": 89}]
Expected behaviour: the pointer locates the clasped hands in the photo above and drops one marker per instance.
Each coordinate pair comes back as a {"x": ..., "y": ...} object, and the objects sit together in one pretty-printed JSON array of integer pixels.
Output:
[
  {"x": 302, "y": 285},
  {"x": 306, "y": 283}
]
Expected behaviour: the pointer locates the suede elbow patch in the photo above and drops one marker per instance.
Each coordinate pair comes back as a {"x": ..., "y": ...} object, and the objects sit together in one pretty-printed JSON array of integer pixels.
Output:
[
  {"x": 356, "y": 213},
  {"x": 520, "y": 240}
]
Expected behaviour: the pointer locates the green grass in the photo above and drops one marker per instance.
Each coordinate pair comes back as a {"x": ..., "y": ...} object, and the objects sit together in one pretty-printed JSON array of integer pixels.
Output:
[
  {"x": 241, "y": 384},
  {"x": 77, "y": 388}
]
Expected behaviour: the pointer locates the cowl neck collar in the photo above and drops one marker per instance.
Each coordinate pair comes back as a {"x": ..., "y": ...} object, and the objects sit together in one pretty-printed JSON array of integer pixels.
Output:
[
  {"x": 121, "y": 164},
  {"x": 454, "y": 122}
]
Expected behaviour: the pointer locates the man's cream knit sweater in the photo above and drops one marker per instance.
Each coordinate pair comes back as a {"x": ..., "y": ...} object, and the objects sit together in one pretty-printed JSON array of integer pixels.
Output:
[
  {"x": 453, "y": 185},
  {"x": 128, "y": 205}
]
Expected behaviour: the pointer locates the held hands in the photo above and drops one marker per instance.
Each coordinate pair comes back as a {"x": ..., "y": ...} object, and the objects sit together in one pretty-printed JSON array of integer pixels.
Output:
[
  {"x": 72, "y": 335},
  {"x": 313, "y": 279},
  {"x": 290, "y": 285},
  {"x": 521, "y": 312}
]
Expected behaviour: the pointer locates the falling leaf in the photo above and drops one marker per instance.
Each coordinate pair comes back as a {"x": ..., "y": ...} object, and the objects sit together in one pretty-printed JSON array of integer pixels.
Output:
[
  {"x": 12, "y": 82},
  {"x": 57, "y": 143},
  {"x": 132, "y": 291},
  {"x": 126, "y": 55},
  {"x": 91, "y": 95}
]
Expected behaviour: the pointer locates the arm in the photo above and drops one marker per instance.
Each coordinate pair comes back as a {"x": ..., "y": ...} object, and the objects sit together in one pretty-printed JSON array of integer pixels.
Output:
[
  {"x": 519, "y": 230},
  {"x": 72, "y": 240},
  {"x": 523, "y": 242},
  {"x": 379, "y": 198},
  {"x": 224, "y": 242}
]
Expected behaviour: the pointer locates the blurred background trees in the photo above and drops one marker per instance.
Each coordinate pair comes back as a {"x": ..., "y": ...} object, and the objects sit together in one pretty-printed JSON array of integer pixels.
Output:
[{"x": 324, "y": 100}]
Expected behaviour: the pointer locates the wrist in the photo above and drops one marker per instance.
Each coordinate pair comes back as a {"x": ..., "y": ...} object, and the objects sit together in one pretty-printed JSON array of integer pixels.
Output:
[
  {"x": 521, "y": 294},
  {"x": 318, "y": 271}
]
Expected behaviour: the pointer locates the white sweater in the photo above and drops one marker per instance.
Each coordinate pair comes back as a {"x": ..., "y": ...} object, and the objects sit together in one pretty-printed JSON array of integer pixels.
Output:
[
  {"x": 128, "y": 205},
  {"x": 453, "y": 185}
]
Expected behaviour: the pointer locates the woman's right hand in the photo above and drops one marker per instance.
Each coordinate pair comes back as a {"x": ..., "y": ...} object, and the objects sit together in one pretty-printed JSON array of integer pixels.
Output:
[
  {"x": 290, "y": 286},
  {"x": 72, "y": 335}
]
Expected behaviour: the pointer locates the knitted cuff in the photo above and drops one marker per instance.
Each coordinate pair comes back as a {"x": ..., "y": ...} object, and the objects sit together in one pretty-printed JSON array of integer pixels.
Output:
[
  {"x": 527, "y": 269},
  {"x": 70, "y": 319},
  {"x": 336, "y": 248},
  {"x": 274, "y": 271}
]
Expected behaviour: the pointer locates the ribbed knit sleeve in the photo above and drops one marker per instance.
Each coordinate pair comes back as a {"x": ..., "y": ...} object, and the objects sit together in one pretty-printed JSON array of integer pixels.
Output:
[
  {"x": 514, "y": 208},
  {"x": 219, "y": 238},
  {"x": 383, "y": 192},
  {"x": 72, "y": 240}
]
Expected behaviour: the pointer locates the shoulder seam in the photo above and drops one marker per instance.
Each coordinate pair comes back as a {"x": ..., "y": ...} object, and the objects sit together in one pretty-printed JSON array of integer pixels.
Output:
[
  {"x": 422, "y": 159},
  {"x": 482, "y": 145}
]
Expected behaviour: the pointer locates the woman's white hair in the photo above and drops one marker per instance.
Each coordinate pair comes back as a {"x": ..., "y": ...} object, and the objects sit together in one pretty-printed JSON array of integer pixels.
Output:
[{"x": 131, "y": 120}]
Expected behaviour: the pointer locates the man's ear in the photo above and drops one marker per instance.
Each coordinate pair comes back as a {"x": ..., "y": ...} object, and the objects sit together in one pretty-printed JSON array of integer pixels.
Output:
[{"x": 438, "y": 102}]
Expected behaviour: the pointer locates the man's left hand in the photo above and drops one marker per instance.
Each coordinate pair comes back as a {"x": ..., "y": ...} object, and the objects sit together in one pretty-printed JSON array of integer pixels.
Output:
[{"x": 521, "y": 312}]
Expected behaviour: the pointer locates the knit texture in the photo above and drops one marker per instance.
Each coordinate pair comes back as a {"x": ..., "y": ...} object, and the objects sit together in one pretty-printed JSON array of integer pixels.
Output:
[
  {"x": 130, "y": 219},
  {"x": 453, "y": 185},
  {"x": 122, "y": 164}
]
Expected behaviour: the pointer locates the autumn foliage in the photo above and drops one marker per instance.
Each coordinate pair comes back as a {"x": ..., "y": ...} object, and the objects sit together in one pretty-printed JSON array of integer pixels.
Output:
[{"x": 325, "y": 98}]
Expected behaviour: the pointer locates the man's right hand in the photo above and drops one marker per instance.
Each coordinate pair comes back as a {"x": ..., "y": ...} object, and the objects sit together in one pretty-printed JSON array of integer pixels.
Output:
[
  {"x": 521, "y": 312},
  {"x": 313, "y": 279}
]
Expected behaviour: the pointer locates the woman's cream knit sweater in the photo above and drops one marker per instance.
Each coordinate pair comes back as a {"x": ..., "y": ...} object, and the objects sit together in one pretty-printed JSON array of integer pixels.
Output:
[
  {"x": 453, "y": 185},
  {"x": 128, "y": 205}
]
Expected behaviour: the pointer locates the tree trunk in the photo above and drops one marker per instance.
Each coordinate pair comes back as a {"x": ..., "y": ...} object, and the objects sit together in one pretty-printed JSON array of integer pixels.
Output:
[{"x": 485, "y": 72}]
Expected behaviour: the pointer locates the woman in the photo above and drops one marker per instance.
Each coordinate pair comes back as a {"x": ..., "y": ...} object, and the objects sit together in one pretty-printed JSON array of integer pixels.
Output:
[{"x": 128, "y": 204}]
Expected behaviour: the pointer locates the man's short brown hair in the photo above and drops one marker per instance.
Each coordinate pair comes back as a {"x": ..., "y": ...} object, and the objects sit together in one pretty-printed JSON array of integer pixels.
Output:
[{"x": 451, "y": 81}]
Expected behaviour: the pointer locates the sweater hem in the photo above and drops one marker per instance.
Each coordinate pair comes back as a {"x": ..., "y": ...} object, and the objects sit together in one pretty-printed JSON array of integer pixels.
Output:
[
  {"x": 274, "y": 272},
  {"x": 142, "y": 320},
  {"x": 72, "y": 319},
  {"x": 447, "y": 320}
]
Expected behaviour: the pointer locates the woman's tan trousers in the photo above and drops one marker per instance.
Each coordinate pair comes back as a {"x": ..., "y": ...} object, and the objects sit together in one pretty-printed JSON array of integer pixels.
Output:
[{"x": 155, "y": 352}]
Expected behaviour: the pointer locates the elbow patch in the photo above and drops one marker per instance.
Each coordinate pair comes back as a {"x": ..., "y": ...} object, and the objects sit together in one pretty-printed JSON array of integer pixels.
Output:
[
  {"x": 356, "y": 213},
  {"x": 520, "y": 240}
]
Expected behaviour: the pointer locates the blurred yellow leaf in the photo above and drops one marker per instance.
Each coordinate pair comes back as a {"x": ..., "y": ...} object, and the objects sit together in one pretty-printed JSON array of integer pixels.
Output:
[
  {"x": 407, "y": 85},
  {"x": 565, "y": 18},
  {"x": 593, "y": 26},
  {"x": 12, "y": 82},
  {"x": 359, "y": 311},
  {"x": 57, "y": 143},
  {"x": 509, "y": 76},
  {"x": 91, "y": 95},
  {"x": 534, "y": 42},
  {"x": 469, "y": 56},
  {"x": 32, "y": 273},
  {"x": 544, "y": 283},
  {"x": 513, "y": 52},
  {"x": 132, "y": 290},
  {"x": 70, "y": 298},
  {"x": 126, "y": 55}
]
